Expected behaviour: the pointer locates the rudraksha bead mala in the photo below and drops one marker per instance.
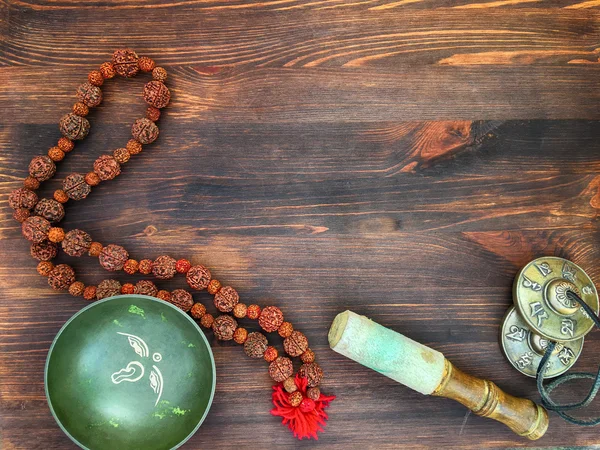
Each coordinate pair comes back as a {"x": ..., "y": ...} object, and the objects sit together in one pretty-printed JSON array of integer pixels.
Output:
[{"x": 297, "y": 399}]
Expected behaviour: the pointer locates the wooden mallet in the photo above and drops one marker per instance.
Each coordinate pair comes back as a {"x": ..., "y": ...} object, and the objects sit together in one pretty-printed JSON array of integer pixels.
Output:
[{"x": 427, "y": 371}]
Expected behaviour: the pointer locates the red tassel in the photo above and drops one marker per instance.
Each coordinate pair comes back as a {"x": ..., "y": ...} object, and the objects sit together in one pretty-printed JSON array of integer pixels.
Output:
[{"x": 304, "y": 424}]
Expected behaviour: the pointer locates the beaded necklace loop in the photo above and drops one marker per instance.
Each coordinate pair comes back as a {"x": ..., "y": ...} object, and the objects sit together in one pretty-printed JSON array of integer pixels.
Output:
[{"x": 297, "y": 399}]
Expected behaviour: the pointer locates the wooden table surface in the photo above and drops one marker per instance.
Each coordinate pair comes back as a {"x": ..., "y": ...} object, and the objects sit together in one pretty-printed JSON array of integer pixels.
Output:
[{"x": 402, "y": 159}]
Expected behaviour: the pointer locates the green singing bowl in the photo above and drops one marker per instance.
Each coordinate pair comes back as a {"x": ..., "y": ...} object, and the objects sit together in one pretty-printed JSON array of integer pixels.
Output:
[{"x": 130, "y": 372}]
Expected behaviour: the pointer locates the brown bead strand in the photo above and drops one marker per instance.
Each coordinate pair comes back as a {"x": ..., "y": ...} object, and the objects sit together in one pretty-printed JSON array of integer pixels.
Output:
[
  {"x": 113, "y": 257},
  {"x": 75, "y": 126}
]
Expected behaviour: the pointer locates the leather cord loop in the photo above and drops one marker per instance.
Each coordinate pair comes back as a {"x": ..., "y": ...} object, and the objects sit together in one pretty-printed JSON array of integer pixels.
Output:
[{"x": 545, "y": 391}]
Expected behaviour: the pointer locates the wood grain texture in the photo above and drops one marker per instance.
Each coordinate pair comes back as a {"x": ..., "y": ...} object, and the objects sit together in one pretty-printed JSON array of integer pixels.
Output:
[{"x": 402, "y": 159}]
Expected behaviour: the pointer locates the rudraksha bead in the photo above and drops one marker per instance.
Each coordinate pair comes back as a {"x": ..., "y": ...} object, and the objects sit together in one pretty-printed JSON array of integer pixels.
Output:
[
  {"x": 159, "y": 74},
  {"x": 75, "y": 187},
  {"x": 239, "y": 310},
  {"x": 152, "y": 113},
  {"x": 198, "y": 310},
  {"x": 240, "y": 335},
  {"x": 56, "y": 154},
  {"x": 95, "y": 77},
  {"x": 133, "y": 147},
  {"x": 207, "y": 320},
  {"x": 270, "y": 318},
  {"x": 125, "y": 62},
  {"x": 92, "y": 179},
  {"x": 285, "y": 329},
  {"x": 21, "y": 214},
  {"x": 108, "y": 288},
  {"x": 182, "y": 299},
  {"x": 146, "y": 287},
  {"x": 144, "y": 131},
  {"x": 44, "y": 268},
  {"x": 35, "y": 229},
  {"x": 22, "y": 198},
  {"x": 81, "y": 109},
  {"x": 308, "y": 356},
  {"x": 42, "y": 168},
  {"x": 61, "y": 277},
  {"x": 163, "y": 295},
  {"x": 121, "y": 155},
  {"x": 31, "y": 183},
  {"x": 271, "y": 354},
  {"x": 113, "y": 257},
  {"x": 145, "y": 267},
  {"x": 127, "y": 288},
  {"x": 295, "y": 344},
  {"x": 65, "y": 144},
  {"x": 56, "y": 234},
  {"x": 312, "y": 372},
  {"x": 60, "y": 196},
  {"x": 213, "y": 287},
  {"x": 74, "y": 127},
  {"x": 107, "y": 167},
  {"x": 89, "y": 94},
  {"x": 107, "y": 70},
  {"x": 226, "y": 299},
  {"x": 95, "y": 249},
  {"x": 44, "y": 251},
  {"x": 255, "y": 345},
  {"x": 131, "y": 266},
  {"x": 76, "y": 242},
  {"x": 198, "y": 277},
  {"x": 50, "y": 209},
  {"x": 281, "y": 368},
  {"x": 295, "y": 398},
  {"x": 224, "y": 327},
  {"x": 89, "y": 293},
  {"x": 156, "y": 94},
  {"x": 182, "y": 265},
  {"x": 76, "y": 289},
  {"x": 146, "y": 64},
  {"x": 289, "y": 384},
  {"x": 313, "y": 393},
  {"x": 253, "y": 312},
  {"x": 163, "y": 267}
]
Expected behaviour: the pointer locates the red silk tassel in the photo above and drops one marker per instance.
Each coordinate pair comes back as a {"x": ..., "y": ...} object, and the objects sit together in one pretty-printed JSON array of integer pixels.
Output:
[{"x": 304, "y": 424}]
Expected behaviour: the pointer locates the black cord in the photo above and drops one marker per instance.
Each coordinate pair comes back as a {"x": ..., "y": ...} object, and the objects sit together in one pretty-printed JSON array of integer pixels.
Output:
[{"x": 545, "y": 391}]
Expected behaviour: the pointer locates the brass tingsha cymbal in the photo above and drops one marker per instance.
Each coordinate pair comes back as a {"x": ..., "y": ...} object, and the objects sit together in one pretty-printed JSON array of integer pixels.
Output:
[
  {"x": 524, "y": 348},
  {"x": 540, "y": 296}
]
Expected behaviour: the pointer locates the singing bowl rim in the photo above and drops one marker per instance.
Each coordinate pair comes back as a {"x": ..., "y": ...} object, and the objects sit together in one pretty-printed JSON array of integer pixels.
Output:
[{"x": 109, "y": 299}]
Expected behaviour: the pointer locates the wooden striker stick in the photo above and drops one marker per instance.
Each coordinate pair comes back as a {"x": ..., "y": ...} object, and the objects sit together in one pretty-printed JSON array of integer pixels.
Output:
[{"x": 427, "y": 371}]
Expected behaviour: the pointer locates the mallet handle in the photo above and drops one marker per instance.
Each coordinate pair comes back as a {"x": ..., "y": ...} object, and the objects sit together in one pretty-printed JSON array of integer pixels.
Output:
[{"x": 485, "y": 399}]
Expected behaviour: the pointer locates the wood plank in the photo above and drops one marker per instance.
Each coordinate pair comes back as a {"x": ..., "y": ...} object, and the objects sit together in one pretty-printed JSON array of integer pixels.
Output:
[
  {"x": 272, "y": 95},
  {"x": 278, "y": 34},
  {"x": 343, "y": 179},
  {"x": 290, "y": 5}
]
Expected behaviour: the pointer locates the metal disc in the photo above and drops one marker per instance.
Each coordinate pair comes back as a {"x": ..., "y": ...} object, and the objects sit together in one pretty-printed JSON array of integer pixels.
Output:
[
  {"x": 539, "y": 293},
  {"x": 524, "y": 348}
]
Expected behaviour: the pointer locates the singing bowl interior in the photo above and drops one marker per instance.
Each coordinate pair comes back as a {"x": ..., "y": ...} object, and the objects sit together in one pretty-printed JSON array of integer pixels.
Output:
[{"x": 130, "y": 372}]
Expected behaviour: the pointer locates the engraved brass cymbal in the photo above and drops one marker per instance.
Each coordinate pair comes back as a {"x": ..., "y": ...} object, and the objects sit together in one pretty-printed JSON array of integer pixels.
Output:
[
  {"x": 524, "y": 348},
  {"x": 540, "y": 295}
]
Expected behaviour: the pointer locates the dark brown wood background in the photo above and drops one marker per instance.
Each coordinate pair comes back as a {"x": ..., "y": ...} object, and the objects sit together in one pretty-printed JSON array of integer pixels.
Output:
[{"x": 402, "y": 159}]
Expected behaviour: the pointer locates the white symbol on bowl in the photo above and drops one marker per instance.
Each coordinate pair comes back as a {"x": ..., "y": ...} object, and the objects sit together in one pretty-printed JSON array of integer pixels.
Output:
[{"x": 134, "y": 371}]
